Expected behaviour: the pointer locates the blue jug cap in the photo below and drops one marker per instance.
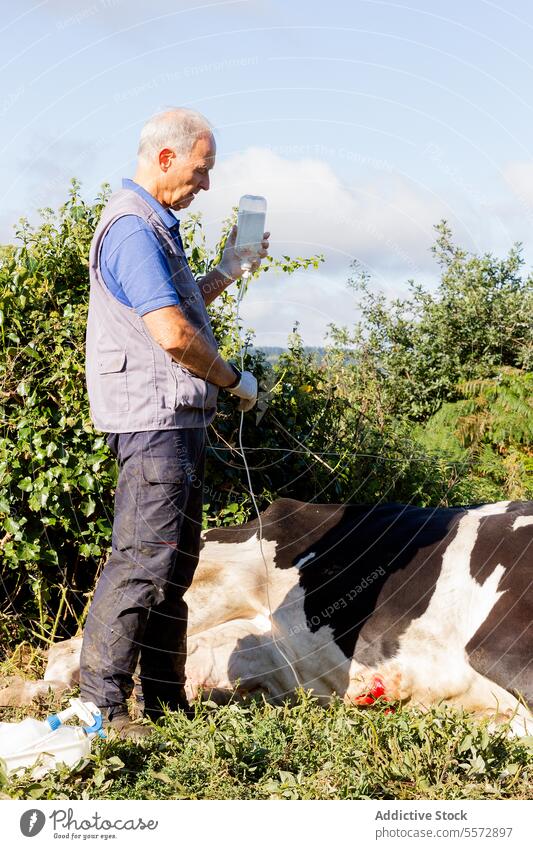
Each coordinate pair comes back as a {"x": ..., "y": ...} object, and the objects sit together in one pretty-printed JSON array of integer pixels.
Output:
[
  {"x": 53, "y": 721},
  {"x": 96, "y": 727}
]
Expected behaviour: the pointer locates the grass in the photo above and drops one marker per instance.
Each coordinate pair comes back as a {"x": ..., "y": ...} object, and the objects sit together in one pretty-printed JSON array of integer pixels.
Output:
[
  {"x": 296, "y": 751},
  {"x": 25, "y": 661}
]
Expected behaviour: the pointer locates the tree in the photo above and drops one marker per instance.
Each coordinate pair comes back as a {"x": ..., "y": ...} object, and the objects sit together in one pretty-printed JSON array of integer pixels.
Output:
[{"x": 419, "y": 348}]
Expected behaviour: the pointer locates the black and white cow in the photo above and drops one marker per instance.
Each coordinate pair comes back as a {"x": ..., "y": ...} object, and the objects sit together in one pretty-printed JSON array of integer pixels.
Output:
[{"x": 422, "y": 604}]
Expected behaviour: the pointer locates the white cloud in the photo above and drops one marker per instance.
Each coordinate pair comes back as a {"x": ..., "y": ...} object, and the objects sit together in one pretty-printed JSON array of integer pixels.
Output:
[
  {"x": 385, "y": 223},
  {"x": 275, "y": 303},
  {"x": 511, "y": 211},
  {"x": 47, "y": 168},
  {"x": 8, "y": 221},
  {"x": 519, "y": 176}
]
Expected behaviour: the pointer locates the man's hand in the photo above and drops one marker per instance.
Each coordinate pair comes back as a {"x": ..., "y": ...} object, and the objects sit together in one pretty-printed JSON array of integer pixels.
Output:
[
  {"x": 230, "y": 263},
  {"x": 246, "y": 389}
]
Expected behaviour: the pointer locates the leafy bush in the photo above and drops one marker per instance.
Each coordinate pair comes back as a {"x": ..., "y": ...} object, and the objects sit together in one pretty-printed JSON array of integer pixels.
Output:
[
  {"x": 493, "y": 423},
  {"x": 420, "y": 348},
  {"x": 448, "y": 374}
]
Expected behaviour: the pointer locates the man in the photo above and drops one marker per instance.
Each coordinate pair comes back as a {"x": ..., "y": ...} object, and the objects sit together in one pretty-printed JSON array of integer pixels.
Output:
[{"x": 153, "y": 374}]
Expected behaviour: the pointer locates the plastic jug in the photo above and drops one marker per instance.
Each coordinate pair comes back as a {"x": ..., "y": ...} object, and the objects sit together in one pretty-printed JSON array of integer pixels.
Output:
[
  {"x": 24, "y": 743},
  {"x": 18, "y": 735},
  {"x": 250, "y": 228}
]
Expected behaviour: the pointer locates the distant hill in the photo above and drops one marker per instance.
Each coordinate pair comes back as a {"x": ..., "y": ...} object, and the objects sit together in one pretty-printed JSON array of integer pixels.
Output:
[{"x": 273, "y": 353}]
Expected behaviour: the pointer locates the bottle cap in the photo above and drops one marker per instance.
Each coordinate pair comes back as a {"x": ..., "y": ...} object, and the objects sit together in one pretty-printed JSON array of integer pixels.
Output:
[{"x": 53, "y": 721}]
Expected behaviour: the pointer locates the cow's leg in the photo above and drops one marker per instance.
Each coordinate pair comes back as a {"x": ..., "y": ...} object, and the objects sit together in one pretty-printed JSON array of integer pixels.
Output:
[
  {"x": 18, "y": 692},
  {"x": 230, "y": 657},
  {"x": 489, "y": 699},
  {"x": 62, "y": 672},
  {"x": 64, "y": 662}
]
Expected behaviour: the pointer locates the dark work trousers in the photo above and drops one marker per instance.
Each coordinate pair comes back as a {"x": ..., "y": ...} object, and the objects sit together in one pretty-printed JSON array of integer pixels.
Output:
[{"x": 138, "y": 611}]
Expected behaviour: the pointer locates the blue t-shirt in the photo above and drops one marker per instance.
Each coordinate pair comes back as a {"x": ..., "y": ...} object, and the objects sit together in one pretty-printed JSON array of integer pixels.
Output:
[{"x": 132, "y": 261}]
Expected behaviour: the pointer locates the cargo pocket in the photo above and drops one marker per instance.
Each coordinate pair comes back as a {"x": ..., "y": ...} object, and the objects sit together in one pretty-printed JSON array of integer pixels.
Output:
[
  {"x": 162, "y": 499},
  {"x": 111, "y": 366},
  {"x": 157, "y": 469}
]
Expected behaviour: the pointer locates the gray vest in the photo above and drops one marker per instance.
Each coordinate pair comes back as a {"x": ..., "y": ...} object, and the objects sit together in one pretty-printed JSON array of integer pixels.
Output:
[{"x": 133, "y": 384}]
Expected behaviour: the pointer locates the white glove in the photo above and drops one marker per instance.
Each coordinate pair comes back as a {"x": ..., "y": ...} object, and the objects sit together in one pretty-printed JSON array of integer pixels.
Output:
[
  {"x": 230, "y": 262},
  {"x": 246, "y": 389}
]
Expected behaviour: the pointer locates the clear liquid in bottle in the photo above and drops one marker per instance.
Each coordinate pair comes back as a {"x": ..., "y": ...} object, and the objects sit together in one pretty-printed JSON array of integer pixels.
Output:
[{"x": 250, "y": 227}]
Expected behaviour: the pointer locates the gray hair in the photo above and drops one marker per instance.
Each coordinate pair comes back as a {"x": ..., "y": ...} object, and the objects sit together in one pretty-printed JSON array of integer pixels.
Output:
[{"x": 178, "y": 129}]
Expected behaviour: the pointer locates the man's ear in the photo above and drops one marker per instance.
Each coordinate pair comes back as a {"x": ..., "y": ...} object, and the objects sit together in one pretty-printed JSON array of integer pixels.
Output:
[{"x": 165, "y": 158}]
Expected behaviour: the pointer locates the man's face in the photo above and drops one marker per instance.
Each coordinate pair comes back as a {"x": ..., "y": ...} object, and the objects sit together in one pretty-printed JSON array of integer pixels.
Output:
[{"x": 186, "y": 176}]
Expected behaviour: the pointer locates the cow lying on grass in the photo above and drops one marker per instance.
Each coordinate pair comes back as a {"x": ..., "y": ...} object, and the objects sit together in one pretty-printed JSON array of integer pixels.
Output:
[{"x": 425, "y": 605}]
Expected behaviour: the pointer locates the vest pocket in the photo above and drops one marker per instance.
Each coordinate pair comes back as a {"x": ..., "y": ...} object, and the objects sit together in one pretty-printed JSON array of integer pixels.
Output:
[
  {"x": 111, "y": 366},
  {"x": 189, "y": 390}
]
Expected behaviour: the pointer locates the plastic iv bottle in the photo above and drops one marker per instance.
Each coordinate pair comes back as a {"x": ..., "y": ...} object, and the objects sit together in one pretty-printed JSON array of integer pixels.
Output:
[{"x": 250, "y": 229}]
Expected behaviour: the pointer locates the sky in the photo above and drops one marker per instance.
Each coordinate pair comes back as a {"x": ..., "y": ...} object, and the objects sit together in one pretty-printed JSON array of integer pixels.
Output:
[{"x": 363, "y": 123}]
